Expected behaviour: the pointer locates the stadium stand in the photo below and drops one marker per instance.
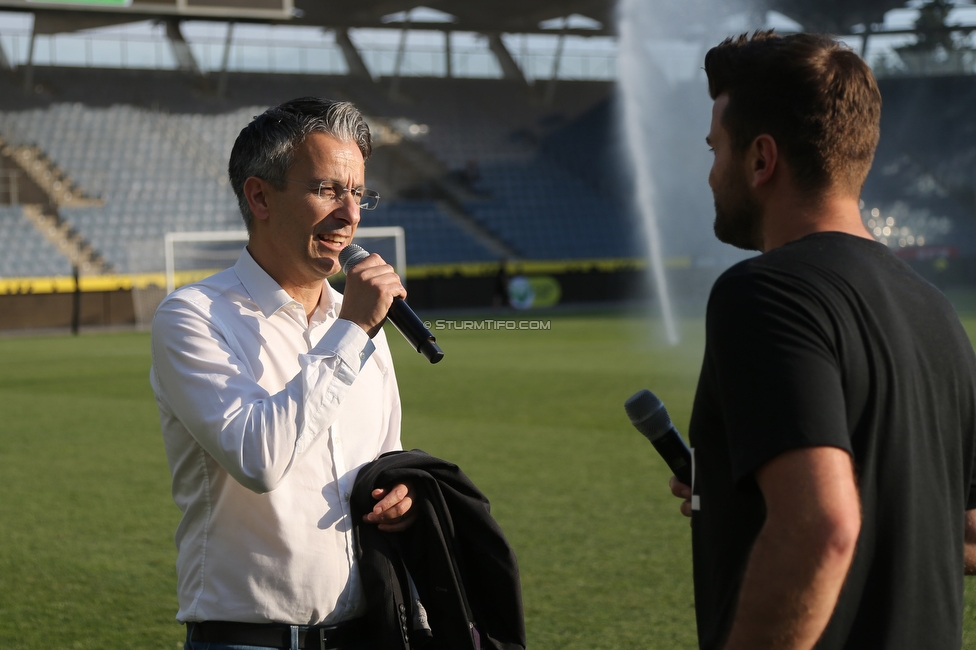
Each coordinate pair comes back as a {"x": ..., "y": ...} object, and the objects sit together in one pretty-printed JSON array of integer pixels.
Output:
[
  {"x": 489, "y": 135},
  {"x": 431, "y": 236},
  {"x": 542, "y": 179},
  {"x": 503, "y": 174},
  {"x": 550, "y": 213},
  {"x": 923, "y": 171},
  {"x": 161, "y": 168},
  {"x": 24, "y": 252},
  {"x": 133, "y": 160}
]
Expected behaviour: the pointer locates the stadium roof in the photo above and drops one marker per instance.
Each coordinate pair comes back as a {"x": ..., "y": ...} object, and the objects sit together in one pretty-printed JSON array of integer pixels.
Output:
[
  {"x": 586, "y": 17},
  {"x": 525, "y": 16},
  {"x": 835, "y": 16},
  {"x": 487, "y": 16}
]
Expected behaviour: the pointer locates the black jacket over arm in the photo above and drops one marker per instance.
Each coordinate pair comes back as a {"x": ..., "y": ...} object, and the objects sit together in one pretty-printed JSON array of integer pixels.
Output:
[{"x": 464, "y": 570}]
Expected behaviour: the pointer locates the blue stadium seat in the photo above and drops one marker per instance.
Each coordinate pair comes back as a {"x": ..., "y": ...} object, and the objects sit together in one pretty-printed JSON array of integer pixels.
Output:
[{"x": 24, "y": 251}]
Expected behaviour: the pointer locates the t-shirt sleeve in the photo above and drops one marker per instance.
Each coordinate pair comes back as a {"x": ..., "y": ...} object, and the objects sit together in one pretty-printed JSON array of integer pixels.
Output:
[{"x": 773, "y": 350}]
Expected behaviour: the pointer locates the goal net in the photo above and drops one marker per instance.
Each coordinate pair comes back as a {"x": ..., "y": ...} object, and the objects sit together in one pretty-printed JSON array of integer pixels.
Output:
[{"x": 192, "y": 256}]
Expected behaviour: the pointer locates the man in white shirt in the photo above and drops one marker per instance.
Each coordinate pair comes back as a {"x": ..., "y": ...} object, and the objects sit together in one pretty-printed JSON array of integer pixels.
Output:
[{"x": 274, "y": 389}]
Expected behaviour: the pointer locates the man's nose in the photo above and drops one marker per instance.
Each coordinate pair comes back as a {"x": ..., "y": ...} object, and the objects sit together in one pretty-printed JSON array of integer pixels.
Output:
[{"x": 348, "y": 209}]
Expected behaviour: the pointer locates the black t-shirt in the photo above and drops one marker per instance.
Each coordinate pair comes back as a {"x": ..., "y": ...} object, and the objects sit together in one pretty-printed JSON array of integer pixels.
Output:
[{"x": 833, "y": 341}]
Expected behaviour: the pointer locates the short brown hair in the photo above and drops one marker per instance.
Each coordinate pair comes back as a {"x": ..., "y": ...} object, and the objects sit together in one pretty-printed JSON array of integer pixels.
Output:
[{"x": 813, "y": 95}]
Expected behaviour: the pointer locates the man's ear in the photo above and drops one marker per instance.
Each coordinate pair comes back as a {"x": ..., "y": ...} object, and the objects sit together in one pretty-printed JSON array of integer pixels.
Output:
[
  {"x": 255, "y": 191},
  {"x": 762, "y": 159}
]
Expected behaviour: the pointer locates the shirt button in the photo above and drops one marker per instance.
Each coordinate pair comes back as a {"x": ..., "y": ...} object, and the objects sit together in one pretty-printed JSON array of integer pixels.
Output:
[
  {"x": 346, "y": 496},
  {"x": 362, "y": 355}
]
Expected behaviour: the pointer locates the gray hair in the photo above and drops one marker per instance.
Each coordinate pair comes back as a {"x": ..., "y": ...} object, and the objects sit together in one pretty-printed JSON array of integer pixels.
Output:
[{"x": 266, "y": 147}]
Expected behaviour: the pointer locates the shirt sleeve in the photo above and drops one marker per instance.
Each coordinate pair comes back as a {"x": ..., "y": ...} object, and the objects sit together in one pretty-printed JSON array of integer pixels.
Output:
[
  {"x": 772, "y": 346},
  {"x": 391, "y": 401},
  {"x": 200, "y": 377}
]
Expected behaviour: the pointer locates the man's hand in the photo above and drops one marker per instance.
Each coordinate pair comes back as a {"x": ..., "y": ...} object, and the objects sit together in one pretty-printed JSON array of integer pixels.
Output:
[
  {"x": 370, "y": 289},
  {"x": 970, "y": 548},
  {"x": 392, "y": 512},
  {"x": 681, "y": 491}
]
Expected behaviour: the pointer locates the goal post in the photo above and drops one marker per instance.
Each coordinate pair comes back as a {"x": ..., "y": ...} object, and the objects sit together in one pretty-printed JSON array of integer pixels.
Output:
[{"x": 193, "y": 255}]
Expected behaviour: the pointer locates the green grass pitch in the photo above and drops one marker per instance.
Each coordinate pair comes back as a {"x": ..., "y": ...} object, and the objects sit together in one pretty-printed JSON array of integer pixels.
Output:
[{"x": 534, "y": 417}]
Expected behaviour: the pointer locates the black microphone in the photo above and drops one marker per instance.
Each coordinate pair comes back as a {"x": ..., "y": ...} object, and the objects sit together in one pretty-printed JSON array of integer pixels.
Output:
[
  {"x": 648, "y": 414},
  {"x": 400, "y": 314}
]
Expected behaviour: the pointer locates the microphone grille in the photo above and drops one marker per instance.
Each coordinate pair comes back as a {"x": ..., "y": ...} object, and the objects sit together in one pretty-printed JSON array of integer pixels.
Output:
[
  {"x": 351, "y": 255},
  {"x": 647, "y": 413}
]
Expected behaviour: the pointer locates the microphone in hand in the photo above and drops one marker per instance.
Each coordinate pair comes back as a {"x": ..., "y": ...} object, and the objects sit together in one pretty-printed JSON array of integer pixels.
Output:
[
  {"x": 648, "y": 415},
  {"x": 400, "y": 314}
]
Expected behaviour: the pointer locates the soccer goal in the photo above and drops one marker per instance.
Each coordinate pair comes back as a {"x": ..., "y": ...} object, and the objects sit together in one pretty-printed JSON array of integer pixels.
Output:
[{"x": 192, "y": 256}]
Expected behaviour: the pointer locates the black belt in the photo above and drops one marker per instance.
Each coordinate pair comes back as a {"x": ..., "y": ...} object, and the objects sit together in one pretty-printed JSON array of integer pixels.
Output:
[{"x": 276, "y": 635}]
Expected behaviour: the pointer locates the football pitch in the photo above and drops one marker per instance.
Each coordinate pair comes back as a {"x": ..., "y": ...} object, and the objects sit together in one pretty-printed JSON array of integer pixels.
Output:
[{"x": 534, "y": 416}]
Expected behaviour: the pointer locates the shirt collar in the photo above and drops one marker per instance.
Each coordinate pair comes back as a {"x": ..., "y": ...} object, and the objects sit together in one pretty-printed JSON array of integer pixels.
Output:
[
  {"x": 268, "y": 294},
  {"x": 329, "y": 304}
]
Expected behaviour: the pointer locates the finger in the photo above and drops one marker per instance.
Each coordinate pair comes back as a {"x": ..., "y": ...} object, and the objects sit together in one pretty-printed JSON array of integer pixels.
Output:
[
  {"x": 679, "y": 489},
  {"x": 400, "y": 524},
  {"x": 686, "y": 508},
  {"x": 373, "y": 270},
  {"x": 386, "y": 499},
  {"x": 372, "y": 259},
  {"x": 391, "y": 504},
  {"x": 391, "y": 514},
  {"x": 383, "y": 278}
]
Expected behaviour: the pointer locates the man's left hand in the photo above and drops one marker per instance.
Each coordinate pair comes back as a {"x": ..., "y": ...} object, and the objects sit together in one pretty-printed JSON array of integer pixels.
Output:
[{"x": 392, "y": 512}]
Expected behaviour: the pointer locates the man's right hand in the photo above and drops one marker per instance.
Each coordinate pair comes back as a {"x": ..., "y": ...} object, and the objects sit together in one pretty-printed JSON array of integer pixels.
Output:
[
  {"x": 681, "y": 491},
  {"x": 371, "y": 286}
]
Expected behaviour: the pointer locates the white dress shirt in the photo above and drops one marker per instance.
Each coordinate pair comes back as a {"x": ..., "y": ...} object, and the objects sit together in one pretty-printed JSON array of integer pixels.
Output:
[{"x": 266, "y": 420}]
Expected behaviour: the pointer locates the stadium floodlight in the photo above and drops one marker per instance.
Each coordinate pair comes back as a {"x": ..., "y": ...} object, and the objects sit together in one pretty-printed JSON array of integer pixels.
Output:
[{"x": 193, "y": 255}]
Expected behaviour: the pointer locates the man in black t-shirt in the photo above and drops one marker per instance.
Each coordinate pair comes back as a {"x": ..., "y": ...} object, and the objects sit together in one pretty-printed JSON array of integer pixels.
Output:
[{"x": 834, "y": 427}]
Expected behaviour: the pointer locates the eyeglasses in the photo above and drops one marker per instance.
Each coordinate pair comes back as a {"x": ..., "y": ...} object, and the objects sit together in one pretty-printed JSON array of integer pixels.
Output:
[{"x": 329, "y": 191}]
